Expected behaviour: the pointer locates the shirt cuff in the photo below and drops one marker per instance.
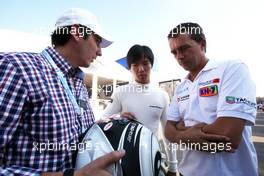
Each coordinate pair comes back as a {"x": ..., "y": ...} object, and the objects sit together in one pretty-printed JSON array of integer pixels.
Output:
[
  {"x": 17, "y": 170},
  {"x": 172, "y": 166},
  {"x": 241, "y": 115},
  {"x": 171, "y": 118}
]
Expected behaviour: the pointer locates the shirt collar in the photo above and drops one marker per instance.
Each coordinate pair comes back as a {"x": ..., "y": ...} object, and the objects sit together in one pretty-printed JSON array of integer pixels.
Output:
[
  {"x": 61, "y": 63},
  {"x": 145, "y": 86},
  {"x": 135, "y": 82},
  {"x": 76, "y": 72},
  {"x": 211, "y": 64}
]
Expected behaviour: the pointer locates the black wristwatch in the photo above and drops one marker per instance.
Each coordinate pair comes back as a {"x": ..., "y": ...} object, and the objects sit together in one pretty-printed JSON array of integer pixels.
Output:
[{"x": 68, "y": 172}]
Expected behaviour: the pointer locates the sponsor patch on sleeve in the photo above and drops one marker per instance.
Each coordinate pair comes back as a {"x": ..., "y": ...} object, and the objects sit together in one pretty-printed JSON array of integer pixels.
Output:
[
  {"x": 208, "y": 91},
  {"x": 230, "y": 100},
  {"x": 236, "y": 100}
]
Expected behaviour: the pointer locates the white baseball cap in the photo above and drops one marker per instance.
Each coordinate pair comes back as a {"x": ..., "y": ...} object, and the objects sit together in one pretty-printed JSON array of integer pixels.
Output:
[{"x": 85, "y": 18}]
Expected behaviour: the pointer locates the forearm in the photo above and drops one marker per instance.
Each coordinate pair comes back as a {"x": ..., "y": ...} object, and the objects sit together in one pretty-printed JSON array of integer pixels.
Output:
[
  {"x": 169, "y": 148},
  {"x": 175, "y": 134},
  {"x": 114, "y": 107},
  {"x": 194, "y": 137},
  {"x": 171, "y": 156},
  {"x": 227, "y": 126}
]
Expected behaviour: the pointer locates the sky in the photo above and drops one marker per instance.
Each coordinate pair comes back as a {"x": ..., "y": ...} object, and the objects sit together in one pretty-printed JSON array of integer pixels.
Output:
[{"x": 234, "y": 29}]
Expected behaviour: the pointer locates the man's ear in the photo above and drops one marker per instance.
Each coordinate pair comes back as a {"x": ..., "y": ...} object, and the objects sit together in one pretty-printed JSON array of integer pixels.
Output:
[
  {"x": 75, "y": 32},
  {"x": 203, "y": 45}
]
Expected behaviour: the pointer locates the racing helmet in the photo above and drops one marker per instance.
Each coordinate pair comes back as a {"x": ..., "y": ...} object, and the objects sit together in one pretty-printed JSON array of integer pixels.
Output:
[{"x": 143, "y": 156}]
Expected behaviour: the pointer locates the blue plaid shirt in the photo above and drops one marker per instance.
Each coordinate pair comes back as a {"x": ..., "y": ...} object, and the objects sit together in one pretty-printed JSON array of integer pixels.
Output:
[{"x": 39, "y": 128}]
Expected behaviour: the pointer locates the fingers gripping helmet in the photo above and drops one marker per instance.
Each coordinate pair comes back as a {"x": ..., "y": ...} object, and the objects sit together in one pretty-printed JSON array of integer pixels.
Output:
[{"x": 143, "y": 157}]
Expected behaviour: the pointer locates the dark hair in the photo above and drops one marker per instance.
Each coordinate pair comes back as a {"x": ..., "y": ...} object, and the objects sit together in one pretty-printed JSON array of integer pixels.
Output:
[
  {"x": 137, "y": 52},
  {"x": 62, "y": 35},
  {"x": 194, "y": 31}
]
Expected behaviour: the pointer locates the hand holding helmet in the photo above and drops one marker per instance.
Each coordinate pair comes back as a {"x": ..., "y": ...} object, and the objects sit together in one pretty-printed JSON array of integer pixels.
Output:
[{"x": 97, "y": 167}]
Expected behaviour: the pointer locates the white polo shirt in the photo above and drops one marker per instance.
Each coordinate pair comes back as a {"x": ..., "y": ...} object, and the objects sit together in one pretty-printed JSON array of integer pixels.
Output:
[{"x": 220, "y": 90}]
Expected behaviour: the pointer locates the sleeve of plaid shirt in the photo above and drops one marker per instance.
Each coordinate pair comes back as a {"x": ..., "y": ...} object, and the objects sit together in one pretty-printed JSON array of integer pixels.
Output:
[{"x": 12, "y": 97}]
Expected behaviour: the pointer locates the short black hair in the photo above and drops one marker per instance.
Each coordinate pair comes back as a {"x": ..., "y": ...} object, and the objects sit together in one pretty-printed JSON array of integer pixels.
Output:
[
  {"x": 194, "y": 31},
  {"x": 137, "y": 52},
  {"x": 62, "y": 35}
]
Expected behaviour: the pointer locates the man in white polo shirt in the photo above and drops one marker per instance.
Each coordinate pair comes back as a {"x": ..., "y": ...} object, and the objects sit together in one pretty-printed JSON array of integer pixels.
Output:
[
  {"x": 141, "y": 100},
  {"x": 212, "y": 110}
]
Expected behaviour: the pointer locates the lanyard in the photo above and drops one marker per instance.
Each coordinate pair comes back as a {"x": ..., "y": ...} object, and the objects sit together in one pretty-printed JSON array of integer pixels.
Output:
[{"x": 63, "y": 81}]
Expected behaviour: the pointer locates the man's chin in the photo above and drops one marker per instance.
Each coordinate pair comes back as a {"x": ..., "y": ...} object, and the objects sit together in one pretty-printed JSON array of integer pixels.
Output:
[
  {"x": 186, "y": 68},
  {"x": 86, "y": 65},
  {"x": 143, "y": 81}
]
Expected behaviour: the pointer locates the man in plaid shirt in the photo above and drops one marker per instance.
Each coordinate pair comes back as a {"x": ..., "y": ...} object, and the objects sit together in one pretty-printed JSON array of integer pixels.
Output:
[{"x": 44, "y": 106}]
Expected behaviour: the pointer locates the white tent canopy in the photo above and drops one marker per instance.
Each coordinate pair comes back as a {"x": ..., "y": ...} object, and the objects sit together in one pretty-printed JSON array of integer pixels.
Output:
[{"x": 16, "y": 41}]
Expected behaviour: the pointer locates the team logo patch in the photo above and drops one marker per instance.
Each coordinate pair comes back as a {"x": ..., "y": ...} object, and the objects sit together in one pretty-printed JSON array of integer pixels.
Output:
[
  {"x": 216, "y": 80},
  {"x": 230, "y": 100},
  {"x": 208, "y": 91},
  {"x": 182, "y": 98}
]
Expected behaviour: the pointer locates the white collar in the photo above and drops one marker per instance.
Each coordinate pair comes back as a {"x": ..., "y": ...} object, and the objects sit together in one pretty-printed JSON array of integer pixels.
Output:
[{"x": 211, "y": 64}]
